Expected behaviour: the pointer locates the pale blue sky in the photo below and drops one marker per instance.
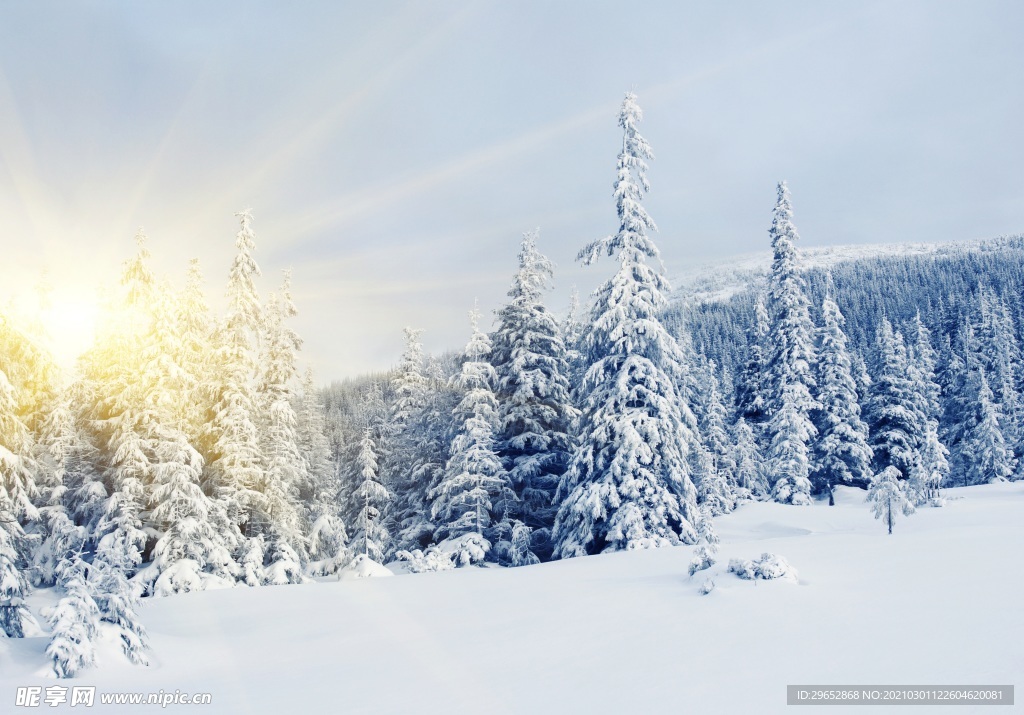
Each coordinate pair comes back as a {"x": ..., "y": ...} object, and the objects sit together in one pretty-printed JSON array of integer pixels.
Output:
[{"x": 393, "y": 153}]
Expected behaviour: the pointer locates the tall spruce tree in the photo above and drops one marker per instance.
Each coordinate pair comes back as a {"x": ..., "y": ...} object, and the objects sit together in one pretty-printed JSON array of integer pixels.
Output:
[
  {"x": 988, "y": 457},
  {"x": 752, "y": 394},
  {"x": 400, "y": 467},
  {"x": 895, "y": 421},
  {"x": 534, "y": 406},
  {"x": 715, "y": 466},
  {"x": 749, "y": 461},
  {"x": 843, "y": 454},
  {"x": 475, "y": 485},
  {"x": 328, "y": 537},
  {"x": 231, "y": 438},
  {"x": 789, "y": 364},
  {"x": 370, "y": 533},
  {"x": 285, "y": 475},
  {"x": 932, "y": 468},
  {"x": 628, "y": 484}
]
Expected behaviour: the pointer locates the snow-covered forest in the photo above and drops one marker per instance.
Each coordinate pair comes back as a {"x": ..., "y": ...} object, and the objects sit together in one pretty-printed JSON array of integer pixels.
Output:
[{"x": 189, "y": 452}]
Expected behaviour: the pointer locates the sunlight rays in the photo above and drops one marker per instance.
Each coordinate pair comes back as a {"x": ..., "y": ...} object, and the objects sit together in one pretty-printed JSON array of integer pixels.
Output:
[
  {"x": 17, "y": 156},
  {"x": 304, "y": 140}
]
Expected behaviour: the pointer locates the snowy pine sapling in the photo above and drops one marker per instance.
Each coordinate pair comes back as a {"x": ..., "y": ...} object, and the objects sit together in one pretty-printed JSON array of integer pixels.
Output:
[
  {"x": 887, "y": 497},
  {"x": 74, "y": 622}
]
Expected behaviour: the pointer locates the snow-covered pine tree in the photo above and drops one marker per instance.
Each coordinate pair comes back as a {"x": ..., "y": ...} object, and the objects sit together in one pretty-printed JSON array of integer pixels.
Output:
[
  {"x": 15, "y": 617},
  {"x": 194, "y": 349},
  {"x": 194, "y": 551},
  {"x": 789, "y": 363},
  {"x": 572, "y": 337},
  {"x": 409, "y": 510},
  {"x": 230, "y": 438},
  {"x": 923, "y": 361},
  {"x": 285, "y": 475},
  {"x": 749, "y": 461},
  {"x": 843, "y": 455},
  {"x": 1000, "y": 356},
  {"x": 959, "y": 390},
  {"x": 534, "y": 406},
  {"x": 895, "y": 422},
  {"x": 932, "y": 468},
  {"x": 715, "y": 468},
  {"x": 752, "y": 393},
  {"x": 74, "y": 623},
  {"x": 887, "y": 498},
  {"x": 431, "y": 446},
  {"x": 16, "y": 462},
  {"x": 707, "y": 544},
  {"x": 371, "y": 536},
  {"x": 861, "y": 377},
  {"x": 117, "y": 600},
  {"x": 474, "y": 479},
  {"x": 195, "y": 537},
  {"x": 989, "y": 459},
  {"x": 328, "y": 538},
  {"x": 628, "y": 484},
  {"x": 789, "y": 453}
]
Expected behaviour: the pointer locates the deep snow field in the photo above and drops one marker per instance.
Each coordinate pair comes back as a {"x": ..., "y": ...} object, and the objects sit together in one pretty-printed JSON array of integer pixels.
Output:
[{"x": 940, "y": 602}]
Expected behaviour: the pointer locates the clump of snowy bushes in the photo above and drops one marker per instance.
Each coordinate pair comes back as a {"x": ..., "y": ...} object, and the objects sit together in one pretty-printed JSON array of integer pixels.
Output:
[
  {"x": 768, "y": 567},
  {"x": 433, "y": 559}
]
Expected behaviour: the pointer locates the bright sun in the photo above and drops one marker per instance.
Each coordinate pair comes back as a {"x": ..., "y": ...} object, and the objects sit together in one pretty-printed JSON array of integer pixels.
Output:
[{"x": 70, "y": 324}]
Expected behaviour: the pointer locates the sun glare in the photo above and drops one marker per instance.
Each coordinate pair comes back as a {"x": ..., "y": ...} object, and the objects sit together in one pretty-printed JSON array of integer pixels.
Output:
[{"x": 70, "y": 324}]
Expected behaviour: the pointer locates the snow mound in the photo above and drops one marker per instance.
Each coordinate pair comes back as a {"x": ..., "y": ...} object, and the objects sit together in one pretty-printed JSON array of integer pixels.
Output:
[
  {"x": 362, "y": 566},
  {"x": 768, "y": 567}
]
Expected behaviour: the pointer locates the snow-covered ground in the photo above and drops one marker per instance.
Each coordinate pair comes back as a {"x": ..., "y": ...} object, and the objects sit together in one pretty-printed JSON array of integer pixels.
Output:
[{"x": 938, "y": 602}]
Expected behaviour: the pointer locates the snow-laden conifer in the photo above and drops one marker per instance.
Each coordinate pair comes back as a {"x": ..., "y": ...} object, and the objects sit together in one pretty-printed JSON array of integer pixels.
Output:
[
  {"x": 988, "y": 457},
  {"x": 474, "y": 481},
  {"x": 328, "y": 537},
  {"x": 15, "y": 616},
  {"x": 887, "y": 498},
  {"x": 117, "y": 600},
  {"x": 715, "y": 471},
  {"x": 195, "y": 549},
  {"x": 932, "y": 468},
  {"x": 403, "y": 460},
  {"x": 628, "y": 484},
  {"x": 534, "y": 405},
  {"x": 752, "y": 396},
  {"x": 749, "y": 460},
  {"x": 74, "y": 623},
  {"x": 370, "y": 535},
  {"x": 843, "y": 454},
  {"x": 16, "y": 462},
  {"x": 789, "y": 363},
  {"x": 895, "y": 420},
  {"x": 231, "y": 438},
  {"x": 789, "y": 454},
  {"x": 285, "y": 473}
]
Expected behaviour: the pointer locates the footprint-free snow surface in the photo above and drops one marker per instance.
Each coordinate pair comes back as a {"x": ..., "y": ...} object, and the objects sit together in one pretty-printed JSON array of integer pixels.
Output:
[{"x": 938, "y": 602}]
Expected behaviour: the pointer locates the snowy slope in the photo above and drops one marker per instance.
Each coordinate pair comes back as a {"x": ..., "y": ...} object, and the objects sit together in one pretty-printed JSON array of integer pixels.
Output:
[
  {"x": 936, "y": 603},
  {"x": 721, "y": 278}
]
